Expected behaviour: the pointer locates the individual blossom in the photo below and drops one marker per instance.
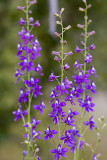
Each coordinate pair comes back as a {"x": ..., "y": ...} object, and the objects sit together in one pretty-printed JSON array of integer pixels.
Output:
[
  {"x": 78, "y": 50},
  {"x": 81, "y": 78},
  {"x": 49, "y": 133},
  {"x": 25, "y": 64},
  {"x": 92, "y": 71},
  {"x": 66, "y": 67},
  {"x": 40, "y": 107},
  {"x": 19, "y": 113},
  {"x": 59, "y": 152},
  {"x": 25, "y": 153},
  {"x": 23, "y": 95},
  {"x": 52, "y": 77},
  {"x": 87, "y": 103},
  {"x": 88, "y": 58},
  {"x": 94, "y": 157},
  {"x": 91, "y": 87},
  {"x": 90, "y": 123}
]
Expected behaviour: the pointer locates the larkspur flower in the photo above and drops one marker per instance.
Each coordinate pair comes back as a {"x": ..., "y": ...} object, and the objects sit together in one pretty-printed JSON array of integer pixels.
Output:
[
  {"x": 40, "y": 107},
  {"x": 94, "y": 157},
  {"x": 28, "y": 49},
  {"x": 90, "y": 123},
  {"x": 49, "y": 133},
  {"x": 25, "y": 153},
  {"x": 87, "y": 103},
  {"x": 19, "y": 113},
  {"x": 59, "y": 152}
]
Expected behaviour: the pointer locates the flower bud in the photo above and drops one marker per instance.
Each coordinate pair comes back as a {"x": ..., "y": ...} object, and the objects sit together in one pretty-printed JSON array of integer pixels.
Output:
[
  {"x": 57, "y": 34},
  {"x": 84, "y": 1},
  {"x": 81, "y": 9},
  {"x": 62, "y": 10},
  {"x": 37, "y": 150},
  {"x": 80, "y": 26},
  {"x": 57, "y": 22},
  {"x": 89, "y": 6},
  {"x": 56, "y": 14},
  {"x": 68, "y": 27}
]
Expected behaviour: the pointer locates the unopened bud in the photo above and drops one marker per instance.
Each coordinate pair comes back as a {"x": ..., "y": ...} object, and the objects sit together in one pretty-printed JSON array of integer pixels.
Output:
[
  {"x": 57, "y": 34},
  {"x": 104, "y": 125},
  {"x": 62, "y": 10},
  {"x": 57, "y": 22},
  {"x": 68, "y": 27},
  {"x": 84, "y": 1},
  {"x": 89, "y": 21},
  {"x": 82, "y": 35},
  {"x": 102, "y": 118},
  {"x": 98, "y": 155},
  {"x": 80, "y": 26},
  {"x": 89, "y": 6},
  {"x": 37, "y": 150},
  {"x": 64, "y": 42},
  {"x": 81, "y": 9},
  {"x": 56, "y": 14}
]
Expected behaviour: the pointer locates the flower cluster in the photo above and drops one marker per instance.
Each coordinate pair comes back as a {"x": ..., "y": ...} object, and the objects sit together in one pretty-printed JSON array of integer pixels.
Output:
[
  {"x": 76, "y": 91},
  {"x": 28, "y": 50}
]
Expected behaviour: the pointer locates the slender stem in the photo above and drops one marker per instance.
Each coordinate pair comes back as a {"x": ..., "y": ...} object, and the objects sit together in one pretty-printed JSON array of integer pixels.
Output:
[
  {"x": 84, "y": 71},
  {"x": 62, "y": 51},
  {"x": 29, "y": 106},
  {"x": 62, "y": 72},
  {"x": 98, "y": 140}
]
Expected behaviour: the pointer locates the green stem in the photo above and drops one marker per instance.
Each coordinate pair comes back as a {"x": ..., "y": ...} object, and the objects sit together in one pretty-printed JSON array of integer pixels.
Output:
[
  {"x": 84, "y": 71},
  {"x": 98, "y": 140},
  {"x": 29, "y": 106},
  {"x": 62, "y": 72}
]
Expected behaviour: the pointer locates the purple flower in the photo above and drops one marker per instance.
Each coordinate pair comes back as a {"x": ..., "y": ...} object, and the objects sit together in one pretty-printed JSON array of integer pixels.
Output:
[
  {"x": 87, "y": 103},
  {"x": 19, "y": 113},
  {"x": 88, "y": 58},
  {"x": 57, "y": 59},
  {"x": 22, "y": 22},
  {"x": 53, "y": 94},
  {"x": 94, "y": 157},
  {"x": 81, "y": 78},
  {"x": 38, "y": 158},
  {"x": 91, "y": 123},
  {"x": 40, "y": 107},
  {"x": 57, "y": 116},
  {"x": 20, "y": 8},
  {"x": 55, "y": 53},
  {"x": 69, "y": 53},
  {"x": 57, "y": 107},
  {"x": 59, "y": 152},
  {"x": 19, "y": 48},
  {"x": 25, "y": 153},
  {"x": 67, "y": 138},
  {"x": 78, "y": 50},
  {"x": 38, "y": 69},
  {"x": 70, "y": 98},
  {"x": 92, "y": 71},
  {"x": 77, "y": 66},
  {"x": 32, "y": 82},
  {"x": 18, "y": 74},
  {"x": 92, "y": 47},
  {"x": 91, "y": 87},
  {"x": 23, "y": 96},
  {"x": 25, "y": 64},
  {"x": 49, "y": 133},
  {"x": 81, "y": 144},
  {"x": 52, "y": 77},
  {"x": 66, "y": 67}
]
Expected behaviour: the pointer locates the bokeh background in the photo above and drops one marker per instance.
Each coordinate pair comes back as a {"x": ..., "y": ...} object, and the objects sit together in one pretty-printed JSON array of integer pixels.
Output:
[{"x": 11, "y": 133}]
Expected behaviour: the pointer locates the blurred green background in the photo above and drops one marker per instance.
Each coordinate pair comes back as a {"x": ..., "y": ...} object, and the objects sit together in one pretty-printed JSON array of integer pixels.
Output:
[{"x": 11, "y": 133}]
